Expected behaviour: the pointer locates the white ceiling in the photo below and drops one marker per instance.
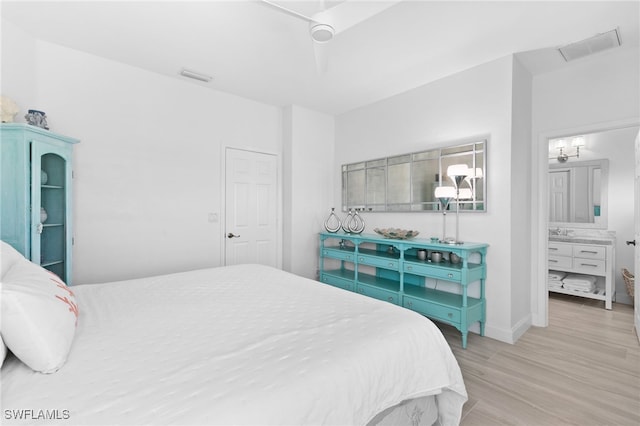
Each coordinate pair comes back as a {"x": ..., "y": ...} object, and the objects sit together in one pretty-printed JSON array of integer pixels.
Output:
[{"x": 259, "y": 53}]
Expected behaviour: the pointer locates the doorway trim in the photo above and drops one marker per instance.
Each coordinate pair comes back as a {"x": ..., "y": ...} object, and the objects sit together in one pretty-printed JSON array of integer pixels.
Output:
[{"x": 540, "y": 222}]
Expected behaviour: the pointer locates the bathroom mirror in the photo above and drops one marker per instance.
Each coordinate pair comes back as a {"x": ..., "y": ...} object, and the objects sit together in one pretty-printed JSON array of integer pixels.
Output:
[
  {"x": 578, "y": 194},
  {"x": 406, "y": 183}
]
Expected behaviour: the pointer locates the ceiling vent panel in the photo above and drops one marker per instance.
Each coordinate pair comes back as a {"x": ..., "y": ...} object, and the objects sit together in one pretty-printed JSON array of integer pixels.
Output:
[{"x": 591, "y": 45}]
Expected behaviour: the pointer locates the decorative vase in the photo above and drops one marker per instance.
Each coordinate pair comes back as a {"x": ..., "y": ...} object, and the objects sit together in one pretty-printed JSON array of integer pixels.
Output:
[
  {"x": 37, "y": 118},
  {"x": 356, "y": 226},
  {"x": 332, "y": 224},
  {"x": 44, "y": 177},
  {"x": 346, "y": 223},
  {"x": 8, "y": 109},
  {"x": 43, "y": 215}
]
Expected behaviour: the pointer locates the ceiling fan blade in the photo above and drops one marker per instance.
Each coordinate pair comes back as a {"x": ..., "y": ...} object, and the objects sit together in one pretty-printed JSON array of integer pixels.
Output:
[
  {"x": 321, "y": 52},
  {"x": 351, "y": 12},
  {"x": 287, "y": 11}
]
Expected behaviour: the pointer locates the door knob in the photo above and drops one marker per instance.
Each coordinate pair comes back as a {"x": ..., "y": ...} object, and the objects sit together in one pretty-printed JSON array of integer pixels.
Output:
[
  {"x": 231, "y": 235},
  {"x": 631, "y": 243}
]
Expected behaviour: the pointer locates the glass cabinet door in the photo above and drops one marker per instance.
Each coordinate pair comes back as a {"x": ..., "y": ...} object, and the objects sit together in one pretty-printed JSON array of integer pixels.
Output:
[{"x": 50, "y": 195}]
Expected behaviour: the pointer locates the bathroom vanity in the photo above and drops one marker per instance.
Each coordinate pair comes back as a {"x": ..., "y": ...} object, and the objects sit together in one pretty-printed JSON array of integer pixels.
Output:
[{"x": 585, "y": 256}]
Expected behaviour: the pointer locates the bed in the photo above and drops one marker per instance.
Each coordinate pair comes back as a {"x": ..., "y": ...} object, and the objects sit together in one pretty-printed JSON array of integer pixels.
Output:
[{"x": 236, "y": 345}]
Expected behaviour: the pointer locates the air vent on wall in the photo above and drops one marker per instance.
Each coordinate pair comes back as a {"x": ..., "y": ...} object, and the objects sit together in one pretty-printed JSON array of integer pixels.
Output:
[
  {"x": 195, "y": 75},
  {"x": 591, "y": 45}
]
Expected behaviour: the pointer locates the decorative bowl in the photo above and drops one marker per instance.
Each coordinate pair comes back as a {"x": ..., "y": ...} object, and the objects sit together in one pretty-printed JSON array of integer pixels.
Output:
[{"x": 396, "y": 233}]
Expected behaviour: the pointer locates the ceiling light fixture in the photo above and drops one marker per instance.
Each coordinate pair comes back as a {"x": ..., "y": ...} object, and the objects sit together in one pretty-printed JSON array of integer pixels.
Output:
[
  {"x": 195, "y": 75},
  {"x": 322, "y": 33}
]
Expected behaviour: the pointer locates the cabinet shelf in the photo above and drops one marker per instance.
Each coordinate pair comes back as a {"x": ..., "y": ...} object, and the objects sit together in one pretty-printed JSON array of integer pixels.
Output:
[
  {"x": 345, "y": 274},
  {"x": 378, "y": 253},
  {"x": 46, "y": 263},
  {"x": 378, "y": 282},
  {"x": 439, "y": 296},
  {"x": 598, "y": 294},
  {"x": 397, "y": 276}
]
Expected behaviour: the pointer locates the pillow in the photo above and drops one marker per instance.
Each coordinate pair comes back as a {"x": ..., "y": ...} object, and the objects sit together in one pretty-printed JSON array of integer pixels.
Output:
[
  {"x": 39, "y": 316},
  {"x": 8, "y": 257},
  {"x": 3, "y": 351}
]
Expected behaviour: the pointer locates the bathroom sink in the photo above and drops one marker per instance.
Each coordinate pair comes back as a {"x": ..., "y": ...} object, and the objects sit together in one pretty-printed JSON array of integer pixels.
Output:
[{"x": 581, "y": 239}]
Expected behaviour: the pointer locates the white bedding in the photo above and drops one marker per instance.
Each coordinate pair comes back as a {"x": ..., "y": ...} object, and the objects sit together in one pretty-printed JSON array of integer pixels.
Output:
[{"x": 236, "y": 345}]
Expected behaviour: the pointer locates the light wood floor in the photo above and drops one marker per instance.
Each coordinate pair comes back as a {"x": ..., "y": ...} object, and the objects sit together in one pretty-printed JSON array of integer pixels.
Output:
[{"x": 584, "y": 369}]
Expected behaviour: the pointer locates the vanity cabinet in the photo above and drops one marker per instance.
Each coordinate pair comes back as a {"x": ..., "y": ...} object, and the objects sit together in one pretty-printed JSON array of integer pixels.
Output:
[
  {"x": 36, "y": 203},
  {"x": 391, "y": 270},
  {"x": 586, "y": 258}
]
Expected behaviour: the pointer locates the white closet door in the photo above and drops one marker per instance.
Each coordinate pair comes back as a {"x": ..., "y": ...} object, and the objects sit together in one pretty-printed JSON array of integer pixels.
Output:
[{"x": 251, "y": 208}]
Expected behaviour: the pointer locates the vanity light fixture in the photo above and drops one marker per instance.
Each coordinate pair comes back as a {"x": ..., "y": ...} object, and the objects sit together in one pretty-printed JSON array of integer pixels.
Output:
[
  {"x": 561, "y": 146},
  {"x": 195, "y": 75}
]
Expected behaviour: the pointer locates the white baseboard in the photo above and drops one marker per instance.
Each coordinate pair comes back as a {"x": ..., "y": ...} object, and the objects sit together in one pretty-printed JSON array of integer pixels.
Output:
[{"x": 509, "y": 335}]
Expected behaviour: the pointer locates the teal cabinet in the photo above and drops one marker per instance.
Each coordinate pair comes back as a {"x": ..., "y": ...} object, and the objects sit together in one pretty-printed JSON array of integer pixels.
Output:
[
  {"x": 391, "y": 270},
  {"x": 36, "y": 195}
]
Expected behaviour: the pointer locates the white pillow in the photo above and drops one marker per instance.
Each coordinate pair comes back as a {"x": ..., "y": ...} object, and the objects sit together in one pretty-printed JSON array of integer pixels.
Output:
[
  {"x": 8, "y": 257},
  {"x": 39, "y": 316},
  {"x": 3, "y": 351}
]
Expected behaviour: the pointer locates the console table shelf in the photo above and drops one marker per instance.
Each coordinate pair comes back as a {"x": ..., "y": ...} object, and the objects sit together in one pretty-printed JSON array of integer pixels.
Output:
[{"x": 390, "y": 270}]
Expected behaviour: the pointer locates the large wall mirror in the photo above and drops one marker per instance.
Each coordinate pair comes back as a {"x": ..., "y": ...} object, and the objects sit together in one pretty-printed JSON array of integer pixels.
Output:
[
  {"x": 578, "y": 194},
  {"x": 407, "y": 182}
]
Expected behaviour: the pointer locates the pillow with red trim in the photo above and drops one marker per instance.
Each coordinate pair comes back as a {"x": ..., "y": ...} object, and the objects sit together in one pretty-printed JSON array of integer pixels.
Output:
[
  {"x": 8, "y": 257},
  {"x": 39, "y": 316}
]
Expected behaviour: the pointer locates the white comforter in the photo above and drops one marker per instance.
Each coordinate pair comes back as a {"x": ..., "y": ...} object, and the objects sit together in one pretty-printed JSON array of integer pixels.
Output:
[{"x": 236, "y": 345}]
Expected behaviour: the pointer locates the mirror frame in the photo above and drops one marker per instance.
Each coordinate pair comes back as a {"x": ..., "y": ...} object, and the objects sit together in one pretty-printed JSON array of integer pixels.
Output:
[
  {"x": 604, "y": 194},
  {"x": 476, "y": 148}
]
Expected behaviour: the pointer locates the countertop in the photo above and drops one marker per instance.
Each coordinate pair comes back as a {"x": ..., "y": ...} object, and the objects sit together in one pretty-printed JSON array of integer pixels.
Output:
[{"x": 582, "y": 239}]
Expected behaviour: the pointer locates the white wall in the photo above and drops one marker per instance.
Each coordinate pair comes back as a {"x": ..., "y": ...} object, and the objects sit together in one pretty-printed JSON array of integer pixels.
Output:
[
  {"x": 597, "y": 89},
  {"x": 521, "y": 199},
  {"x": 308, "y": 163},
  {"x": 18, "y": 67},
  {"x": 148, "y": 168},
  {"x": 596, "y": 93},
  {"x": 475, "y": 102}
]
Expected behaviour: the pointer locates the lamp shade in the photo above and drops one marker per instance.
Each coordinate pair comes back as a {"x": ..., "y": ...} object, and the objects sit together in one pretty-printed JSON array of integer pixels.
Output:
[
  {"x": 458, "y": 170},
  {"x": 464, "y": 194},
  {"x": 577, "y": 141},
  {"x": 475, "y": 174},
  {"x": 561, "y": 144},
  {"x": 445, "y": 192}
]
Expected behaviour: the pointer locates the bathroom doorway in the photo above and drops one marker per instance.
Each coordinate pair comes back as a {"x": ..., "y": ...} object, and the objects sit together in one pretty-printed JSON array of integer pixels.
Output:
[{"x": 616, "y": 144}]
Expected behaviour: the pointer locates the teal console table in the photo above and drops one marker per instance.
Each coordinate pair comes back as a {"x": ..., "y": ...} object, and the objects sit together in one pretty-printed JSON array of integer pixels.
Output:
[{"x": 391, "y": 270}]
